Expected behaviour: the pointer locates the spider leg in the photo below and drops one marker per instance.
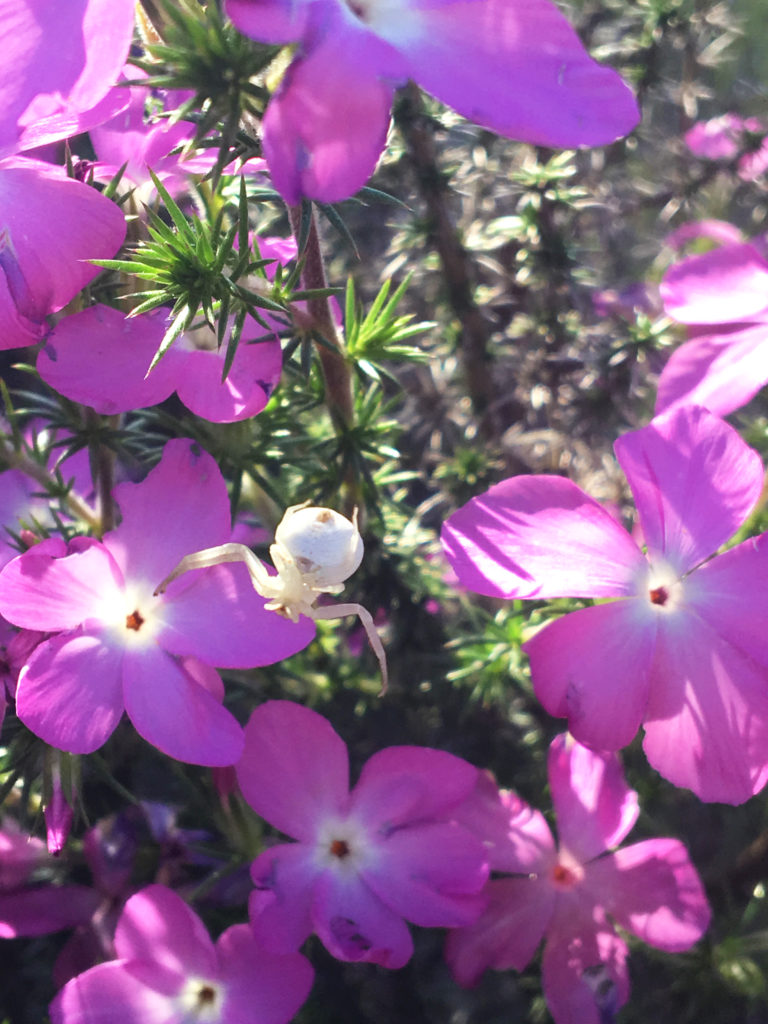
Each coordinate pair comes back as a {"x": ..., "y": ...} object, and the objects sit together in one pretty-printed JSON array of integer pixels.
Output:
[
  {"x": 217, "y": 556},
  {"x": 338, "y": 611}
]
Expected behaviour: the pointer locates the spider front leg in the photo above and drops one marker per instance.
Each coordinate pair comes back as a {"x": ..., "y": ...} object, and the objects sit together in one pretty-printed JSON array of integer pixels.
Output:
[
  {"x": 338, "y": 611},
  {"x": 218, "y": 556}
]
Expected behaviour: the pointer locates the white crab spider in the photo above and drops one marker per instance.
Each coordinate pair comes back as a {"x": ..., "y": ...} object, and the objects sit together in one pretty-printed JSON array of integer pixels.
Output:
[{"x": 314, "y": 552}]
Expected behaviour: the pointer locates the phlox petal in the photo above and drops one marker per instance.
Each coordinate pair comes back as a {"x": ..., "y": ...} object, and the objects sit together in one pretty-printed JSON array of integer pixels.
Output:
[
  {"x": 142, "y": 993},
  {"x": 595, "y": 807},
  {"x": 508, "y": 932},
  {"x": 430, "y": 874},
  {"x": 59, "y": 59},
  {"x": 17, "y": 330},
  {"x": 516, "y": 68},
  {"x": 706, "y": 725},
  {"x": 592, "y": 667},
  {"x": 716, "y": 593},
  {"x": 722, "y": 286},
  {"x": 100, "y": 357},
  {"x": 70, "y": 692},
  {"x": 355, "y": 925},
  {"x": 326, "y": 127},
  {"x": 158, "y": 528},
  {"x": 219, "y": 617},
  {"x": 294, "y": 771},
  {"x": 721, "y": 368},
  {"x": 271, "y": 21},
  {"x": 584, "y": 971},
  {"x": 157, "y": 925},
  {"x": 40, "y": 591},
  {"x": 694, "y": 481},
  {"x": 253, "y": 376},
  {"x": 402, "y": 784},
  {"x": 652, "y": 890},
  {"x": 175, "y": 714},
  {"x": 517, "y": 837},
  {"x": 51, "y": 226},
  {"x": 280, "y": 907},
  {"x": 45, "y": 909},
  {"x": 260, "y": 986},
  {"x": 540, "y": 537}
]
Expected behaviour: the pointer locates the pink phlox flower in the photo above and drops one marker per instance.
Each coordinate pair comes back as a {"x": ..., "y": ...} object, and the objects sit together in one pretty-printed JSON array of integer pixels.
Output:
[
  {"x": 722, "y": 296},
  {"x": 100, "y": 358},
  {"x": 519, "y": 70},
  {"x": 169, "y": 971},
  {"x": 118, "y": 647},
  {"x": 679, "y": 651},
  {"x": 573, "y": 895},
  {"x": 364, "y": 859},
  {"x": 27, "y": 907},
  {"x": 729, "y": 137}
]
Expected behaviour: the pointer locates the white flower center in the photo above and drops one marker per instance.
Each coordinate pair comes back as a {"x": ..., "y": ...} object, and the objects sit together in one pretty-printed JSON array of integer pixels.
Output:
[
  {"x": 342, "y": 845},
  {"x": 201, "y": 1001},
  {"x": 132, "y": 615}
]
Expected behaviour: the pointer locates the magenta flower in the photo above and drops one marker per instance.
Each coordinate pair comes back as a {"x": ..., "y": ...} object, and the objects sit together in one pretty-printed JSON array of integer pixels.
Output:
[
  {"x": 518, "y": 69},
  {"x": 169, "y": 971},
  {"x": 723, "y": 296},
  {"x": 364, "y": 860},
  {"x": 728, "y": 137},
  {"x": 118, "y": 647},
  {"x": 681, "y": 652},
  {"x": 573, "y": 893}
]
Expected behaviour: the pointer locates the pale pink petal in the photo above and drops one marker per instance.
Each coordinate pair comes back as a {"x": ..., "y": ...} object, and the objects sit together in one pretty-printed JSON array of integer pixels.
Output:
[
  {"x": 133, "y": 993},
  {"x": 517, "y": 837},
  {"x": 516, "y": 68},
  {"x": 100, "y": 357},
  {"x": 156, "y": 925},
  {"x": 716, "y": 594},
  {"x": 281, "y": 903},
  {"x": 652, "y": 890},
  {"x": 355, "y": 925},
  {"x": 70, "y": 692},
  {"x": 706, "y": 726},
  {"x": 45, "y": 909},
  {"x": 592, "y": 667},
  {"x": 718, "y": 287},
  {"x": 175, "y": 714},
  {"x": 261, "y": 987},
  {"x": 252, "y": 378},
  {"x": 402, "y": 784},
  {"x": 180, "y": 507},
  {"x": 430, "y": 874},
  {"x": 52, "y": 226},
  {"x": 63, "y": 125},
  {"x": 584, "y": 971},
  {"x": 326, "y": 127},
  {"x": 720, "y": 368},
  {"x": 508, "y": 932},
  {"x": 595, "y": 807},
  {"x": 294, "y": 771},
  {"x": 540, "y": 537},
  {"x": 716, "y": 139},
  {"x": 245, "y": 632},
  {"x": 694, "y": 481},
  {"x": 39, "y": 591}
]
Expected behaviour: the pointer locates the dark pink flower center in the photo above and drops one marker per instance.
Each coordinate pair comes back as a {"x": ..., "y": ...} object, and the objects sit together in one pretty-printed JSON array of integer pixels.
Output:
[
  {"x": 206, "y": 995},
  {"x": 561, "y": 875},
  {"x": 340, "y": 848},
  {"x": 659, "y": 595},
  {"x": 134, "y": 621}
]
